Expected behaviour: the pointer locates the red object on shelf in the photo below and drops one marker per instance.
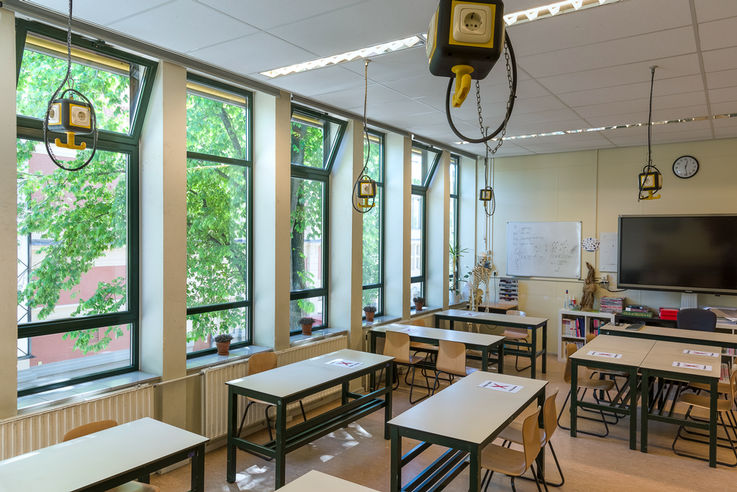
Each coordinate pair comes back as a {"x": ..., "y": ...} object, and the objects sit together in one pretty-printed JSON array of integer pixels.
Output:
[{"x": 669, "y": 313}]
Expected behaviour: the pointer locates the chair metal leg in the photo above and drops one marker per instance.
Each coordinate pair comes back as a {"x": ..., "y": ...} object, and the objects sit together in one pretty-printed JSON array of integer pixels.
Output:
[
  {"x": 486, "y": 479},
  {"x": 534, "y": 476},
  {"x": 557, "y": 464},
  {"x": 243, "y": 419},
  {"x": 268, "y": 422},
  {"x": 603, "y": 420},
  {"x": 514, "y": 489},
  {"x": 301, "y": 407},
  {"x": 688, "y": 455}
]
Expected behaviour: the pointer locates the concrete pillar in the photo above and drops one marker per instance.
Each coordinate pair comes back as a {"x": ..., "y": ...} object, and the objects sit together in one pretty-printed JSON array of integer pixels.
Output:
[
  {"x": 164, "y": 239},
  {"x": 8, "y": 225},
  {"x": 346, "y": 239},
  {"x": 271, "y": 192},
  {"x": 438, "y": 232},
  {"x": 398, "y": 187}
]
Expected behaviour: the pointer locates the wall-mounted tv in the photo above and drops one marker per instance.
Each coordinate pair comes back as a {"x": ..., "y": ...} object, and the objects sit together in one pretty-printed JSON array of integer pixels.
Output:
[{"x": 685, "y": 253}]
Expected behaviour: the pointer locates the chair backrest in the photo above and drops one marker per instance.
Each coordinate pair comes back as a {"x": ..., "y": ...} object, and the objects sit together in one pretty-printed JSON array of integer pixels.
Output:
[
  {"x": 697, "y": 319},
  {"x": 397, "y": 345},
  {"x": 261, "y": 361},
  {"x": 90, "y": 428},
  {"x": 451, "y": 358},
  {"x": 514, "y": 312},
  {"x": 590, "y": 337},
  {"x": 571, "y": 349},
  {"x": 531, "y": 437},
  {"x": 733, "y": 386},
  {"x": 550, "y": 416}
]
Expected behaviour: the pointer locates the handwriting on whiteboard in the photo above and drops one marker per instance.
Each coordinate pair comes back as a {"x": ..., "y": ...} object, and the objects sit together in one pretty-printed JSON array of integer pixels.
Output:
[{"x": 546, "y": 249}]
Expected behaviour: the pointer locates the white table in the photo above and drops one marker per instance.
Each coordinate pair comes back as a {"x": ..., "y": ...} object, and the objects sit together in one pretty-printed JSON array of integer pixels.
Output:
[
  {"x": 464, "y": 417},
  {"x": 105, "y": 459},
  {"x": 711, "y": 338},
  {"x": 315, "y": 481},
  {"x": 293, "y": 382}
]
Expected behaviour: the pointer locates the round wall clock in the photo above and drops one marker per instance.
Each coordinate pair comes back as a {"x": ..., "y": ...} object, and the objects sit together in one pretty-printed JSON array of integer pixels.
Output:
[{"x": 685, "y": 166}]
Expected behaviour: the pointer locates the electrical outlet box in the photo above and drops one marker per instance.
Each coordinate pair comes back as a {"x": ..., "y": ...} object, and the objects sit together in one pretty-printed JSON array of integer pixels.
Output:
[{"x": 472, "y": 23}]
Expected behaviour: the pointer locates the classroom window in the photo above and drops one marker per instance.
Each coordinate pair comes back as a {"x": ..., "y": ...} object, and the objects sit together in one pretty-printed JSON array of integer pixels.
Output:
[
  {"x": 424, "y": 162},
  {"x": 218, "y": 214},
  {"x": 454, "y": 265},
  {"x": 373, "y": 229},
  {"x": 315, "y": 138},
  {"x": 77, "y": 231}
]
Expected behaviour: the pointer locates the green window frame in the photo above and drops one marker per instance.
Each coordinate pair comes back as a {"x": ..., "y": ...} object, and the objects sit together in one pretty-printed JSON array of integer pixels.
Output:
[
  {"x": 377, "y": 174},
  {"x": 332, "y": 132},
  {"x": 141, "y": 74},
  {"x": 227, "y": 164},
  {"x": 454, "y": 279}
]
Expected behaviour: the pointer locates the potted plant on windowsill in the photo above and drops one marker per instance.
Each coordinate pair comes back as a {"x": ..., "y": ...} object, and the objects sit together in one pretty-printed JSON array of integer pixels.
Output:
[
  {"x": 455, "y": 279},
  {"x": 370, "y": 312},
  {"x": 306, "y": 324},
  {"x": 419, "y": 302},
  {"x": 223, "y": 343}
]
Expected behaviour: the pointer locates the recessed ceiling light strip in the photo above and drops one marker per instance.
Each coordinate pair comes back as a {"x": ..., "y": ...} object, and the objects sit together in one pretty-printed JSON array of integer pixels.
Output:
[{"x": 553, "y": 9}]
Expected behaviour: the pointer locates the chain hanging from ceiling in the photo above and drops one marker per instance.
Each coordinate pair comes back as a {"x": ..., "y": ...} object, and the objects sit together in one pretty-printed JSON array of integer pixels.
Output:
[{"x": 364, "y": 189}]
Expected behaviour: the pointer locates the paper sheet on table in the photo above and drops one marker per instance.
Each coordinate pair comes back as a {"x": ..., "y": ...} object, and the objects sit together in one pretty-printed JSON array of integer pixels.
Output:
[
  {"x": 505, "y": 387},
  {"x": 690, "y": 365},
  {"x": 609, "y": 355},
  {"x": 344, "y": 363}
]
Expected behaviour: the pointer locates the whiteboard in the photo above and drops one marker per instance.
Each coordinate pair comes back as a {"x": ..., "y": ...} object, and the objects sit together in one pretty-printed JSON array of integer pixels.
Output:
[{"x": 544, "y": 249}]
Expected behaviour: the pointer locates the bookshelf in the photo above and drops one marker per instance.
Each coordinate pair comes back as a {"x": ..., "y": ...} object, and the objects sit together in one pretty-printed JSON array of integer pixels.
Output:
[{"x": 573, "y": 326}]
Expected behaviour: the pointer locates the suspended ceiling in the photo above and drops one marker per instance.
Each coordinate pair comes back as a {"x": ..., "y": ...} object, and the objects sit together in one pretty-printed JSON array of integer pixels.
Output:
[{"x": 581, "y": 70}]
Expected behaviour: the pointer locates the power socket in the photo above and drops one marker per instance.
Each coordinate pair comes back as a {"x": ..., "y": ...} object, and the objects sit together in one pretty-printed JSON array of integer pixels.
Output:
[{"x": 472, "y": 23}]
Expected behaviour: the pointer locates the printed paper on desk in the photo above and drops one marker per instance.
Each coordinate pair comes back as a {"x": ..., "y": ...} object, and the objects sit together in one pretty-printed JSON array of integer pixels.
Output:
[
  {"x": 610, "y": 355},
  {"x": 505, "y": 387},
  {"x": 689, "y": 365},
  {"x": 700, "y": 352},
  {"x": 344, "y": 363}
]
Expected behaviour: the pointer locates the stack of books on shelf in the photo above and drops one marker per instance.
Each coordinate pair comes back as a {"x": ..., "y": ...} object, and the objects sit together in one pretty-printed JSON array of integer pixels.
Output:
[
  {"x": 573, "y": 327},
  {"x": 611, "y": 304},
  {"x": 508, "y": 289},
  {"x": 596, "y": 323},
  {"x": 639, "y": 311}
]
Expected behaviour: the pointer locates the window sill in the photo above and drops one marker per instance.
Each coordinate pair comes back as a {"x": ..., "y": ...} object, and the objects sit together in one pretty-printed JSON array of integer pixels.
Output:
[
  {"x": 82, "y": 391},
  {"x": 425, "y": 311},
  {"x": 197, "y": 363},
  {"x": 300, "y": 339},
  {"x": 381, "y": 320}
]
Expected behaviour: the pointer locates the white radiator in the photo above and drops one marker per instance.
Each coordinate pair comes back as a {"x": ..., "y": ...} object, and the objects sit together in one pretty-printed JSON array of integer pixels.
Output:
[
  {"x": 26, "y": 433},
  {"x": 215, "y": 392}
]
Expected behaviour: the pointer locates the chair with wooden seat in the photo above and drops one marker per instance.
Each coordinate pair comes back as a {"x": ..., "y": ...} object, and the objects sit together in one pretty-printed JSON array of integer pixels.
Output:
[
  {"x": 451, "y": 361},
  {"x": 91, "y": 428},
  {"x": 513, "y": 433},
  {"x": 610, "y": 373},
  {"x": 512, "y": 462},
  {"x": 602, "y": 385},
  {"x": 517, "y": 337},
  {"x": 260, "y": 362},
  {"x": 724, "y": 406},
  {"x": 696, "y": 319},
  {"x": 397, "y": 345}
]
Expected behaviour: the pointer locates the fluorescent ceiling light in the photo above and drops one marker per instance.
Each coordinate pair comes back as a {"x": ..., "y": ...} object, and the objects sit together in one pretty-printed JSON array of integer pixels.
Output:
[
  {"x": 379, "y": 49},
  {"x": 563, "y": 7}
]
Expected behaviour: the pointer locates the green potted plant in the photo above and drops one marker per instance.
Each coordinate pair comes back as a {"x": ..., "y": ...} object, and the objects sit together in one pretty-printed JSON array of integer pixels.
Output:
[
  {"x": 223, "y": 343},
  {"x": 455, "y": 255},
  {"x": 370, "y": 311},
  {"x": 306, "y": 324},
  {"x": 419, "y": 302}
]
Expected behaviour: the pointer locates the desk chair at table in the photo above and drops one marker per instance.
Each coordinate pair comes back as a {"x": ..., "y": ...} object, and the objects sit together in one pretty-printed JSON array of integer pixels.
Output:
[
  {"x": 260, "y": 362},
  {"x": 91, "y": 428},
  {"x": 517, "y": 338},
  {"x": 396, "y": 344},
  {"x": 601, "y": 385},
  {"x": 512, "y": 462},
  {"x": 696, "y": 319},
  {"x": 451, "y": 361},
  {"x": 611, "y": 374}
]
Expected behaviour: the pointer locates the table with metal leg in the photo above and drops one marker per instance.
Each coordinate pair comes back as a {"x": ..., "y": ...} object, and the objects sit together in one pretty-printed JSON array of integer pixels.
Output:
[
  {"x": 659, "y": 333},
  {"x": 291, "y": 383}
]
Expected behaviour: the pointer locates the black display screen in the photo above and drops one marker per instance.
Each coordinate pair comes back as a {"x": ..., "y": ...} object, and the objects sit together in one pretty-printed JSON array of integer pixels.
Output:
[{"x": 682, "y": 253}]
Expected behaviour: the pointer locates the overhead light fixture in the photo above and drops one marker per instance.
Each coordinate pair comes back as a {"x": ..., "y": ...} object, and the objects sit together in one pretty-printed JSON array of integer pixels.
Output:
[
  {"x": 553, "y": 9},
  {"x": 379, "y": 49}
]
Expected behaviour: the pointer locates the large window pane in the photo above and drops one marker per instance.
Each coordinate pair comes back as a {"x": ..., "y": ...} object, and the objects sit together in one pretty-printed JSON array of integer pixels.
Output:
[
  {"x": 371, "y": 298},
  {"x": 372, "y": 243},
  {"x": 416, "y": 235},
  {"x": 417, "y": 289},
  {"x": 52, "y": 359},
  {"x": 217, "y": 233},
  {"x": 375, "y": 156},
  {"x": 216, "y": 122},
  {"x": 72, "y": 235},
  {"x": 202, "y": 328},
  {"x": 313, "y": 140},
  {"x": 105, "y": 81},
  {"x": 307, "y": 233},
  {"x": 313, "y": 307}
]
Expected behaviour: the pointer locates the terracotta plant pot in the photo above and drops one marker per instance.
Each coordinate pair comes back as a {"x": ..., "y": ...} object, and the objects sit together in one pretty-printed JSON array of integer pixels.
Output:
[
  {"x": 418, "y": 306},
  {"x": 306, "y": 328},
  {"x": 369, "y": 315},
  {"x": 223, "y": 347}
]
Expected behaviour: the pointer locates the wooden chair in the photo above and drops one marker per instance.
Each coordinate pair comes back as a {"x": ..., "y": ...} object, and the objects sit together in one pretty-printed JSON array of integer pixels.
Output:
[
  {"x": 451, "y": 361},
  {"x": 724, "y": 406},
  {"x": 513, "y": 433},
  {"x": 696, "y": 319},
  {"x": 517, "y": 337},
  {"x": 611, "y": 374},
  {"x": 260, "y": 362},
  {"x": 93, "y": 427},
  {"x": 512, "y": 462},
  {"x": 595, "y": 385},
  {"x": 397, "y": 345}
]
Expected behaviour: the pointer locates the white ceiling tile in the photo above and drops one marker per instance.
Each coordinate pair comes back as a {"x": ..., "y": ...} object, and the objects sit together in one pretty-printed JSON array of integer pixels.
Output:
[
  {"x": 528, "y": 124},
  {"x": 394, "y": 66},
  {"x": 727, "y": 107},
  {"x": 324, "y": 80},
  {"x": 274, "y": 13},
  {"x": 635, "y": 105},
  {"x": 708, "y": 10},
  {"x": 723, "y": 59},
  {"x": 690, "y": 83},
  {"x": 718, "y": 34},
  {"x": 102, "y": 13},
  {"x": 725, "y": 94},
  {"x": 252, "y": 54},
  {"x": 526, "y": 105},
  {"x": 182, "y": 26},
  {"x": 724, "y": 78}
]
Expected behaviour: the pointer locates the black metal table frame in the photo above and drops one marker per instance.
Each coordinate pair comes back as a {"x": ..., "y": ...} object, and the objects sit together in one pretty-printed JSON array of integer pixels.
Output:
[
  {"x": 532, "y": 353},
  {"x": 460, "y": 454},
  {"x": 142, "y": 473},
  {"x": 485, "y": 349},
  {"x": 645, "y": 414},
  {"x": 667, "y": 338},
  {"x": 353, "y": 407},
  {"x": 633, "y": 395}
]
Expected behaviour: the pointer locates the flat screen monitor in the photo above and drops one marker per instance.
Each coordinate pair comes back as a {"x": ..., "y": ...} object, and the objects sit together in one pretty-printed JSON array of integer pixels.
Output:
[{"x": 685, "y": 253}]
